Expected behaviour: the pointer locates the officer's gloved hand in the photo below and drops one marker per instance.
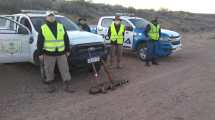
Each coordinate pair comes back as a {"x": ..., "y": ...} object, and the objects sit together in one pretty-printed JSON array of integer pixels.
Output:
[
  {"x": 67, "y": 54},
  {"x": 41, "y": 57}
]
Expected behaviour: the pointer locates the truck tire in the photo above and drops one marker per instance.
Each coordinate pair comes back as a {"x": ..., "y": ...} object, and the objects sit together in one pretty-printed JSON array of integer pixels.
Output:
[{"x": 141, "y": 51}]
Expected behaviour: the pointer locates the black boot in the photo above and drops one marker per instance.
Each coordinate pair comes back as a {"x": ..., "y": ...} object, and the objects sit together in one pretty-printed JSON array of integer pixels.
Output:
[
  {"x": 154, "y": 62},
  {"x": 67, "y": 87},
  {"x": 51, "y": 88}
]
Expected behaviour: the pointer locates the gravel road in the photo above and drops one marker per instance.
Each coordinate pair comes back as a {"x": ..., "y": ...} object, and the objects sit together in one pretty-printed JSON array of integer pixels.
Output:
[{"x": 181, "y": 88}]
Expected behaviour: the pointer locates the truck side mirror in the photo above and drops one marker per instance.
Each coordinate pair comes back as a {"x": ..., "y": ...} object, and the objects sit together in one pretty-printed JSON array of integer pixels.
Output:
[
  {"x": 100, "y": 28},
  {"x": 31, "y": 39}
]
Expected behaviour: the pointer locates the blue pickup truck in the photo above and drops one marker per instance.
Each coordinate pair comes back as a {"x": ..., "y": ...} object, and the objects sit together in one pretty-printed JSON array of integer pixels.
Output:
[{"x": 135, "y": 38}]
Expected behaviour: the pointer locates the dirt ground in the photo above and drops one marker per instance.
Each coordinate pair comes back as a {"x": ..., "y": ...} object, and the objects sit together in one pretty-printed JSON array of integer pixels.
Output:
[{"x": 181, "y": 88}]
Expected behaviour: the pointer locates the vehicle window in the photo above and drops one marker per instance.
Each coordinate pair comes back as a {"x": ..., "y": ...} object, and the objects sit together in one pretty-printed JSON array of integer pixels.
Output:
[
  {"x": 17, "y": 18},
  {"x": 126, "y": 23},
  {"x": 3, "y": 23},
  {"x": 11, "y": 17},
  {"x": 140, "y": 23},
  {"x": 26, "y": 23},
  {"x": 6, "y": 24},
  {"x": 106, "y": 22},
  {"x": 68, "y": 24}
]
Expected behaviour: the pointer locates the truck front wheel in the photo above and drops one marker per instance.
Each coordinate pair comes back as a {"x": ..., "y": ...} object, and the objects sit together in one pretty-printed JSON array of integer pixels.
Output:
[{"x": 141, "y": 51}]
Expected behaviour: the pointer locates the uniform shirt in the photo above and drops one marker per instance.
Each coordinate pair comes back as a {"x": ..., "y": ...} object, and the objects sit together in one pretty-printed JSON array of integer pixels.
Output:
[
  {"x": 41, "y": 40},
  {"x": 84, "y": 27}
]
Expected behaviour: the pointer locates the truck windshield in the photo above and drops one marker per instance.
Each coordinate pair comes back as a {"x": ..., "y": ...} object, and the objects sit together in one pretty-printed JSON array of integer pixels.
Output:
[
  {"x": 139, "y": 23},
  {"x": 68, "y": 24}
]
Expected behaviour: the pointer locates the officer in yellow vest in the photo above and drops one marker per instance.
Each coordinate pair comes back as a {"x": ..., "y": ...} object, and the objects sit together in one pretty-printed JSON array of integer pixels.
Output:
[
  {"x": 116, "y": 34},
  {"x": 54, "y": 48},
  {"x": 153, "y": 32}
]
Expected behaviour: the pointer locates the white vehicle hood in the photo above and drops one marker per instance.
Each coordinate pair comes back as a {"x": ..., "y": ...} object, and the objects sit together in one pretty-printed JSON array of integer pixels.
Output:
[
  {"x": 170, "y": 33},
  {"x": 81, "y": 37}
]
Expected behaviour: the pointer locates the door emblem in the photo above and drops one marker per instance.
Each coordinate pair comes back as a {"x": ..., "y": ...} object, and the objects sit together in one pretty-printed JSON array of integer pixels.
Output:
[{"x": 12, "y": 47}]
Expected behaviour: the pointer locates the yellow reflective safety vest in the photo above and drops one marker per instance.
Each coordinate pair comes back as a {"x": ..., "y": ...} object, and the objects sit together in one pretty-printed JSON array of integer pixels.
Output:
[
  {"x": 51, "y": 43},
  {"x": 119, "y": 37},
  {"x": 154, "y": 32}
]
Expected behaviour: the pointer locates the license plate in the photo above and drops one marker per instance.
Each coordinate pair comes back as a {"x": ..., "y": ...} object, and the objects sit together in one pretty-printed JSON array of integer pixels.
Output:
[{"x": 93, "y": 60}]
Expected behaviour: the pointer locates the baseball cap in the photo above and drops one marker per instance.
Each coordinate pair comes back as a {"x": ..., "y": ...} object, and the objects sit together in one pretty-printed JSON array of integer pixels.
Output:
[
  {"x": 50, "y": 14},
  {"x": 117, "y": 18}
]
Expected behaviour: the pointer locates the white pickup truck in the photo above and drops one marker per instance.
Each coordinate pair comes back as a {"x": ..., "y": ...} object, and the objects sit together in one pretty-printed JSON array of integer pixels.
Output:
[{"x": 18, "y": 39}]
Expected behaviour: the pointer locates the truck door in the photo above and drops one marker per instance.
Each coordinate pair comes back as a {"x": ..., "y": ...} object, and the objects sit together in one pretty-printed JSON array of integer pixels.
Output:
[
  {"x": 102, "y": 29},
  {"x": 129, "y": 34},
  {"x": 14, "y": 41}
]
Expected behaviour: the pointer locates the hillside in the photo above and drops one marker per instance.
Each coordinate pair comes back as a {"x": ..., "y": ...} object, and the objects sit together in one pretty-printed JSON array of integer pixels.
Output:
[{"x": 180, "y": 21}]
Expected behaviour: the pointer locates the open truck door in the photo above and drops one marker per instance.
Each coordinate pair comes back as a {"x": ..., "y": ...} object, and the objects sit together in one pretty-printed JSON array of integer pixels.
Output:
[
  {"x": 129, "y": 34},
  {"x": 128, "y": 38},
  {"x": 14, "y": 41}
]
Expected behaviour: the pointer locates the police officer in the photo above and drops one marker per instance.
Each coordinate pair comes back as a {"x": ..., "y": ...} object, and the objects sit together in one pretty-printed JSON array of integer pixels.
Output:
[
  {"x": 82, "y": 23},
  {"x": 153, "y": 32},
  {"x": 54, "y": 48},
  {"x": 116, "y": 34}
]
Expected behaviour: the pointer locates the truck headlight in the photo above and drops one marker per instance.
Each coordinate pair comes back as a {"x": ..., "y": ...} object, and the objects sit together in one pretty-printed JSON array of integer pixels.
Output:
[
  {"x": 164, "y": 38},
  {"x": 175, "y": 38},
  {"x": 138, "y": 34}
]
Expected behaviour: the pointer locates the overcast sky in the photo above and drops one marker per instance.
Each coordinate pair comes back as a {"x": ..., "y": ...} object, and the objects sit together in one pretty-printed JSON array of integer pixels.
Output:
[{"x": 196, "y": 6}]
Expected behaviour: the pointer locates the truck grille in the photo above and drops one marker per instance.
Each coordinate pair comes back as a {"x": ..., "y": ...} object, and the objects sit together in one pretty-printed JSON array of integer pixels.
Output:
[
  {"x": 83, "y": 48},
  {"x": 176, "y": 42}
]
